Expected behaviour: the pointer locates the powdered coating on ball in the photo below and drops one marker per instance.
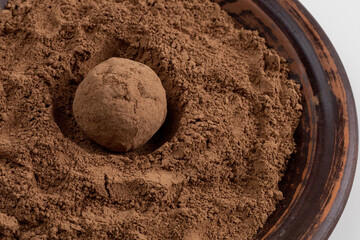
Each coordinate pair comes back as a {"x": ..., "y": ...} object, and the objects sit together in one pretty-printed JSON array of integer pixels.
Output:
[{"x": 120, "y": 104}]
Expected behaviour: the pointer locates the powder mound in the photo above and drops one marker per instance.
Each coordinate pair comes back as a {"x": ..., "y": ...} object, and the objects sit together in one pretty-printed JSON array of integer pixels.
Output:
[
  {"x": 120, "y": 104},
  {"x": 213, "y": 169}
]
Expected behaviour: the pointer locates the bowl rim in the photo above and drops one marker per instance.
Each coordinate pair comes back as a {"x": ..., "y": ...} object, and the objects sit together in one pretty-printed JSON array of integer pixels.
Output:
[
  {"x": 325, "y": 182},
  {"x": 330, "y": 81}
]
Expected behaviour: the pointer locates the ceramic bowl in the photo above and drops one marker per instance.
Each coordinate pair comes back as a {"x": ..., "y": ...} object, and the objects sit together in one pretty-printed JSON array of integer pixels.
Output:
[{"x": 319, "y": 177}]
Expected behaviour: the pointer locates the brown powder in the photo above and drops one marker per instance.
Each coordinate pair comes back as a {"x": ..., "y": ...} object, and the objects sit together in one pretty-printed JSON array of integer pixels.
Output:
[{"x": 212, "y": 170}]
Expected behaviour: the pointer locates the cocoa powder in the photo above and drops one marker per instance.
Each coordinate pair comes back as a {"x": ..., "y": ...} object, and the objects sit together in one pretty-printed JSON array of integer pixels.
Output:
[{"x": 211, "y": 172}]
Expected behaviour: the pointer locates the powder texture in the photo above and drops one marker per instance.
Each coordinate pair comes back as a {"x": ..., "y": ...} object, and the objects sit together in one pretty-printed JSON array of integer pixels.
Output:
[
  {"x": 120, "y": 104},
  {"x": 212, "y": 170}
]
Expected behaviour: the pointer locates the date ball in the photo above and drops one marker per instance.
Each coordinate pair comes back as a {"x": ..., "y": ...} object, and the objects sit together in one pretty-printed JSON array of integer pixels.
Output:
[{"x": 120, "y": 104}]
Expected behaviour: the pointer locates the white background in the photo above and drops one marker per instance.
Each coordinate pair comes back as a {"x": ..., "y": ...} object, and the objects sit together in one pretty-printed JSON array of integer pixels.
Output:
[{"x": 341, "y": 22}]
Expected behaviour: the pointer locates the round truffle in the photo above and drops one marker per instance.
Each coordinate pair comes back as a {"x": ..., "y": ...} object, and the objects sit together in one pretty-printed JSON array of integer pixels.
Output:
[{"x": 120, "y": 104}]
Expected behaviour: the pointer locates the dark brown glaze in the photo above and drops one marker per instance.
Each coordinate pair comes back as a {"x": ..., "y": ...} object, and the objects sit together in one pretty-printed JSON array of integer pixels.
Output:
[
  {"x": 317, "y": 183},
  {"x": 2, "y": 3},
  {"x": 320, "y": 175}
]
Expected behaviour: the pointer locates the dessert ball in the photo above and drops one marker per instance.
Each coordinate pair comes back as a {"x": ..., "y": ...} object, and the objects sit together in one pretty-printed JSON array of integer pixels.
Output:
[{"x": 120, "y": 104}]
